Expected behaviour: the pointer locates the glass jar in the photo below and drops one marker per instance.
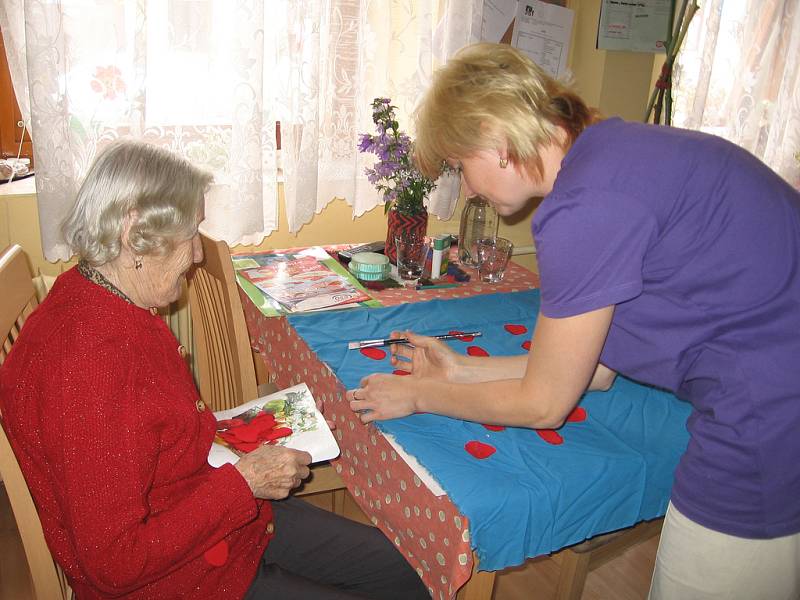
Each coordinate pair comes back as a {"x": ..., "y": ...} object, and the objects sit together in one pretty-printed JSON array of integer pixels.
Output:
[{"x": 479, "y": 220}]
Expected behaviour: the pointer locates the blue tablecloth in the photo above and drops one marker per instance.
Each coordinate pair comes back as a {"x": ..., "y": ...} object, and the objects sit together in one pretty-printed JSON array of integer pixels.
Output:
[{"x": 530, "y": 497}]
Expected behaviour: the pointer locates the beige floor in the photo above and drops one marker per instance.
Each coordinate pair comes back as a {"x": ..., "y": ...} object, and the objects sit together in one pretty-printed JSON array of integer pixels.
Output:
[{"x": 624, "y": 578}]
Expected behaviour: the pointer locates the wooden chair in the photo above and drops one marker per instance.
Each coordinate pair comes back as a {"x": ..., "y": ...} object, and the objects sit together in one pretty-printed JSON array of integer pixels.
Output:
[
  {"x": 226, "y": 364},
  {"x": 16, "y": 303}
]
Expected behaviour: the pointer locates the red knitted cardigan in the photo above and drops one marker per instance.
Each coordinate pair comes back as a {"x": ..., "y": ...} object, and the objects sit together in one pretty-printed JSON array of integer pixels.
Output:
[{"x": 105, "y": 419}]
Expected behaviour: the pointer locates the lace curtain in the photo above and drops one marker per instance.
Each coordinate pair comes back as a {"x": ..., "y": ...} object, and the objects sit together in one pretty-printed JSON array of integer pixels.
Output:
[
  {"x": 738, "y": 76},
  {"x": 211, "y": 78}
]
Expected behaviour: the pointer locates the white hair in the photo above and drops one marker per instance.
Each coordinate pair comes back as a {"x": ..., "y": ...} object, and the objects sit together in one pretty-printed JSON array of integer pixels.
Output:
[{"x": 164, "y": 190}]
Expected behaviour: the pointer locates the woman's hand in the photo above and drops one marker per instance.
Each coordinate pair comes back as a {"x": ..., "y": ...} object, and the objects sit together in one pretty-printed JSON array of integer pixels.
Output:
[
  {"x": 274, "y": 471},
  {"x": 425, "y": 357},
  {"x": 383, "y": 396}
]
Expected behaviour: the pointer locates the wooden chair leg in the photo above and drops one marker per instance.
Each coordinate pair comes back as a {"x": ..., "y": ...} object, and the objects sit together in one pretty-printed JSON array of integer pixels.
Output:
[
  {"x": 572, "y": 576},
  {"x": 338, "y": 502}
]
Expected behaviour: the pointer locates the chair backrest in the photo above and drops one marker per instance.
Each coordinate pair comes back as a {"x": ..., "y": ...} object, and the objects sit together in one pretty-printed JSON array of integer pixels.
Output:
[
  {"x": 18, "y": 298},
  {"x": 17, "y": 302},
  {"x": 223, "y": 357}
]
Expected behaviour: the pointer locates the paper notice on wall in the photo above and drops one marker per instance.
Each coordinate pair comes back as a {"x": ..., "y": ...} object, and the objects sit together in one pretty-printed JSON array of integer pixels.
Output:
[
  {"x": 634, "y": 25},
  {"x": 542, "y": 31},
  {"x": 497, "y": 18}
]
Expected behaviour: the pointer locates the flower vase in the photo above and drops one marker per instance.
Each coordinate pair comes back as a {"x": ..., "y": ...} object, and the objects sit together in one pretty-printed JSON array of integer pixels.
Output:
[{"x": 397, "y": 223}]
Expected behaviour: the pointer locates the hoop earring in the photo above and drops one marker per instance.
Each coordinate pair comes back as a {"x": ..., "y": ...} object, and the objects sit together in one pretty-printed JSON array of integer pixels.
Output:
[
  {"x": 137, "y": 262},
  {"x": 503, "y": 163}
]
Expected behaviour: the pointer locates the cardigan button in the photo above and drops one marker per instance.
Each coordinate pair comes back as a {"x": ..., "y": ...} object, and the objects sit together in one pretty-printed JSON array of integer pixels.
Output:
[
  {"x": 182, "y": 351},
  {"x": 201, "y": 406},
  {"x": 270, "y": 528}
]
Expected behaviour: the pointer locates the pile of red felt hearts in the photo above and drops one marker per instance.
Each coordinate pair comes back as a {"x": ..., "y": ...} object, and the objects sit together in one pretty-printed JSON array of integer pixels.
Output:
[{"x": 246, "y": 436}]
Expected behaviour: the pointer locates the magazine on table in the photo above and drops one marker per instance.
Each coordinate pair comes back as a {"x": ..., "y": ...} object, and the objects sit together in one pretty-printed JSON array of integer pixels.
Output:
[
  {"x": 287, "y": 418},
  {"x": 302, "y": 282}
]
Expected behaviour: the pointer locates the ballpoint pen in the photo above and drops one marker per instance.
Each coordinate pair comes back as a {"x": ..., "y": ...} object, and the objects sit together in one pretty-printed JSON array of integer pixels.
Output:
[{"x": 390, "y": 341}]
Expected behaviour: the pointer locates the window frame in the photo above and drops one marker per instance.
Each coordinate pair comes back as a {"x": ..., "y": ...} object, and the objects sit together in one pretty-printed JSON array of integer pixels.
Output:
[{"x": 11, "y": 131}]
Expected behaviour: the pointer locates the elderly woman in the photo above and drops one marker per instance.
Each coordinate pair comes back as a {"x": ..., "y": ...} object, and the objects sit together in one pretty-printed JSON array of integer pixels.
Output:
[
  {"x": 670, "y": 256},
  {"x": 113, "y": 438}
]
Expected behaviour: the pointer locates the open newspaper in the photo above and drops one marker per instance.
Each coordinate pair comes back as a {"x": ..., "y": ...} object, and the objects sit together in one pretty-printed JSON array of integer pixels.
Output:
[{"x": 288, "y": 418}]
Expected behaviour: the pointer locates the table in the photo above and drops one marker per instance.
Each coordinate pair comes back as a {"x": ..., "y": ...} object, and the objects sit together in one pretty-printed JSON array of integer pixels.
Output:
[
  {"x": 429, "y": 530},
  {"x": 526, "y": 492}
]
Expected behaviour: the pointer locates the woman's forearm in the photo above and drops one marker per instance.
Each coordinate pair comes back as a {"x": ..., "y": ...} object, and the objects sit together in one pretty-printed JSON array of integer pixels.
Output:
[
  {"x": 537, "y": 390},
  {"x": 476, "y": 369},
  {"x": 498, "y": 402}
]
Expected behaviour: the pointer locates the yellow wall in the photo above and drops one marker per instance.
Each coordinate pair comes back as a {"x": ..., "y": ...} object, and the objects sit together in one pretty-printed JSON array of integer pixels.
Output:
[{"x": 618, "y": 83}]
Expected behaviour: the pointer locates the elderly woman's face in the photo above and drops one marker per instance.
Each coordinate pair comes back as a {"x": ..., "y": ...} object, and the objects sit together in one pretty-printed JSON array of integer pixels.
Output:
[{"x": 162, "y": 276}]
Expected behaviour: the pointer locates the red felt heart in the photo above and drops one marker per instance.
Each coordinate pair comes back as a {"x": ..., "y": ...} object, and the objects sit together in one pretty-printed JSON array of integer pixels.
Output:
[
  {"x": 479, "y": 450},
  {"x": 264, "y": 419},
  {"x": 577, "y": 415},
  {"x": 462, "y": 338},
  {"x": 400, "y": 372},
  {"x": 477, "y": 351},
  {"x": 274, "y": 434},
  {"x": 225, "y": 435},
  {"x": 229, "y": 436},
  {"x": 228, "y": 423},
  {"x": 493, "y": 427},
  {"x": 550, "y": 436},
  {"x": 374, "y": 353},
  {"x": 526, "y": 344},
  {"x": 515, "y": 329},
  {"x": 217, "y": 555},
  {"x": 246, "y": 433},
  {"x": 245, "y": 446}
]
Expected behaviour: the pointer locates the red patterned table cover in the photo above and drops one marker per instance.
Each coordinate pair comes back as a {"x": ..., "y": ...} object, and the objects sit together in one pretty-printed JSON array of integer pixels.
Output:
[{"x": 428, "y": 530}]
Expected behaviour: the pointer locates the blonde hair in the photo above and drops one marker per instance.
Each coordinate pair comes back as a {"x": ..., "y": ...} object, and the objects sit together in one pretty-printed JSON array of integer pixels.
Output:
[
  {"x": 165, "y": 190},
  {"x": 490, "y": 94}
]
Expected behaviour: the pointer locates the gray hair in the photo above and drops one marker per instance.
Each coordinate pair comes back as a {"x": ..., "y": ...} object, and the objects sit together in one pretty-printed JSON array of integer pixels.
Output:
[{"x": 165, "y": 190}]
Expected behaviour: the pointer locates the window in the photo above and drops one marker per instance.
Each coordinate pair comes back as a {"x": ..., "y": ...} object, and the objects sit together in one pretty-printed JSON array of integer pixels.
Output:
[{"x": 10, "y": 116}]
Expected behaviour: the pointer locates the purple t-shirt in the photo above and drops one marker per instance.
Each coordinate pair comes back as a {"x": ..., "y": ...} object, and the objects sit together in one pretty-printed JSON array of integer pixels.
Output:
[{"x": 697, "y": 243}]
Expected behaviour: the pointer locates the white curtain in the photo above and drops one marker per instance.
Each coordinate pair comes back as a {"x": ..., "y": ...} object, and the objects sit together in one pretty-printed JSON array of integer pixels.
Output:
[
  {"x": 211, "y": 78},
  {"x": 738, "y": 76}
]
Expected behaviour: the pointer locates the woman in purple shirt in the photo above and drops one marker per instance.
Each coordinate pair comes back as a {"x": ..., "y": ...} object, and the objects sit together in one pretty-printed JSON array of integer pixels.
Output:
[{"x": 670, "y": 256}]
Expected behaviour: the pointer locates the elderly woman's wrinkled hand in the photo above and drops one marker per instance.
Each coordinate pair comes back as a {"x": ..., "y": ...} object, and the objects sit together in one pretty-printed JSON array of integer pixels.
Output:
[
  {"x": 382, "y": 397},
  {"x": 274, "y": 471}
]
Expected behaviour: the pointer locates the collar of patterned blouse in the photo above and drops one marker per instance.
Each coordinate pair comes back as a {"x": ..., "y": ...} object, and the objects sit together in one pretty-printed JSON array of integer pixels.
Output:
[{"x": 95, "y": 276}]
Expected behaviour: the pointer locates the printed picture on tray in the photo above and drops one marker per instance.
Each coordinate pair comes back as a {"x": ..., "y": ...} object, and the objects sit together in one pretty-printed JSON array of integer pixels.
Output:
[{"x": 288, "y": 418}]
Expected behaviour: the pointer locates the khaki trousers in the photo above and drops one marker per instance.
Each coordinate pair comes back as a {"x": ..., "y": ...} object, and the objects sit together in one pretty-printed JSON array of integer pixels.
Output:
[{"x": 697, "y": 563}]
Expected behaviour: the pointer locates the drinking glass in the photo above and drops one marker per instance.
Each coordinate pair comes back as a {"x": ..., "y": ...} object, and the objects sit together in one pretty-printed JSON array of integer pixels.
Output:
[
  {"x": 411, "y": 253},
  {"x": 493, "y": 255}
]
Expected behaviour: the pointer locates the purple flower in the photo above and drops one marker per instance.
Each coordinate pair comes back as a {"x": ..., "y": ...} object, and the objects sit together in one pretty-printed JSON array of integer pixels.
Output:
[
  {"x": 394, "y": 174},
  {"x": 364, "y": 142}
]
